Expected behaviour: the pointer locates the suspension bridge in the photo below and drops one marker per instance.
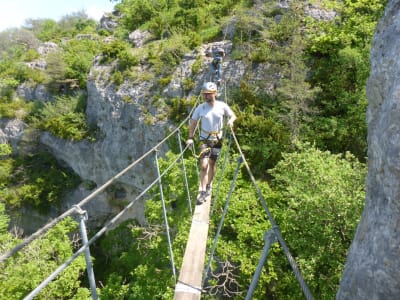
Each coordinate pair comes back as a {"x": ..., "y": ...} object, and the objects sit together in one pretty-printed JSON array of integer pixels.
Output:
[{"x": 190, "y": 277}]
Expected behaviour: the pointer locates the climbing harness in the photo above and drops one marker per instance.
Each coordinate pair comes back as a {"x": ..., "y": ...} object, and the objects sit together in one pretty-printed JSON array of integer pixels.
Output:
[{"x": 211, "y": 148}]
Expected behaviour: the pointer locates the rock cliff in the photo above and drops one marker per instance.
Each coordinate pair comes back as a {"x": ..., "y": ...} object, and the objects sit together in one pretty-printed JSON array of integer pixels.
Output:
[{"x": 372, "y": 269}]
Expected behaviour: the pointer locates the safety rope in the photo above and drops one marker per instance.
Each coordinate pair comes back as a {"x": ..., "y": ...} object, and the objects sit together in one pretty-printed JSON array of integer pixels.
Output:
[{"x": 185, "y": 173}]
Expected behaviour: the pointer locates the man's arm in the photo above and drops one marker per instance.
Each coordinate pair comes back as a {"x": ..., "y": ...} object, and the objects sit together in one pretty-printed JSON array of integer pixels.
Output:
[
  {"x": 232, "y": 117},
  {"x": 231, "y": 120},
  {"x": 192, "y": 128}
]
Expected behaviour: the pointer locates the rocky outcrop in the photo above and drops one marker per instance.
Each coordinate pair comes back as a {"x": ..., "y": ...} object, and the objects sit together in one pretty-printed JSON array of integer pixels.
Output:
[
  {"x": 139, "y": 37},
  {"x": 109, "y": 21},
  {"x": 372, "y": 270},
  {"x": 125, "y": 134},
  {"x": 31, "y": 92},
  {"x": 11, "y": 132}
]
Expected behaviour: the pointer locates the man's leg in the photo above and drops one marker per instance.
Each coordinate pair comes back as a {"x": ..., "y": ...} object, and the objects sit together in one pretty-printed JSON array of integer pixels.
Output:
[
  {"x": 219, "y": 72},
  {"x": 204, "y": 172},
  {"x": 211, "y": 171}
]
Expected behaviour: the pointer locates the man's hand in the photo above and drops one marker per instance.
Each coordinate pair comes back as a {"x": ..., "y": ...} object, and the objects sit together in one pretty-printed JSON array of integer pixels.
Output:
[
  {"x": 230, "y": 123},
  {"x": 189, "y": 142}
]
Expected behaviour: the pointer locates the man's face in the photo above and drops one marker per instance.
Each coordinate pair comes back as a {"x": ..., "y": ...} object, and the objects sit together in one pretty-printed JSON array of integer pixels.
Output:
[{"x": 208, "y": 96}]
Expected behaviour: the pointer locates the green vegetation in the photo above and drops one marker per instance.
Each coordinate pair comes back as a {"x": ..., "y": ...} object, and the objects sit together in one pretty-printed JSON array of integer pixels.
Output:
[
  {"x": 23, "y": 272},
  {"x": 64, "y": 118},
  {"x": 36, "y": 181}
]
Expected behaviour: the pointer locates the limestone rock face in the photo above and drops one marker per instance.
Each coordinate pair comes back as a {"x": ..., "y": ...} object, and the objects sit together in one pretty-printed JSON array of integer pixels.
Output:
[
  {"x": 127, "y": 130},
  {"x": 34, "y": 92},
  {"x": 109, "y": 21},
  {"x": 11, "y": 131},
  {"x": 372, "y": 269},
  {"x": 138, "y": 37}
]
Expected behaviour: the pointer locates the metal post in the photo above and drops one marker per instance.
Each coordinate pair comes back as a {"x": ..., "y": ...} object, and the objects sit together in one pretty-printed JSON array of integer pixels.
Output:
[
  {"x": 269, "y": 238},
  {"x": 165, "y": 217},
  {"x": 89, "y": 267},
  {"x": 184, "y": 171}
]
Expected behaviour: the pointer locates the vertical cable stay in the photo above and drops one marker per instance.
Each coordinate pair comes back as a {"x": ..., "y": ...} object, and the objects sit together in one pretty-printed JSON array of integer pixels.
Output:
[
  {"x": 221, "y": 175},
  {"x": 184, "y": 173},
  {"x": 222, "y": 218},
  {"x": 171, "y": 254}
]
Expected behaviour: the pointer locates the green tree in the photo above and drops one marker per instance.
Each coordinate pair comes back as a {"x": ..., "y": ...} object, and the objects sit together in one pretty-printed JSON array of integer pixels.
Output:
[
  {"x": 78, "y": 57},
  {"x": 339, "y": 52},
  {"x": 24, "y": 271},
  {"x": 321, "y": 198}
]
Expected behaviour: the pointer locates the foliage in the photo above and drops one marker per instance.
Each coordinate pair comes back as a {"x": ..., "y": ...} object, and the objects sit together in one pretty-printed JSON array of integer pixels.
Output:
[
  {"x": 120, "y": 51},
  {"x": 166, "y": 55},
  {"x": 339, "y": 51},
  {"x": 14, "y": 109},
  {"x": 164, "y": 18},
  {"x": 6, "y": 239},
  {"x": 78, "y": 56},
  {"x": 340, "y": 125},
  {"x": 23, "y": 272},
  {"x": 180, "y": 108},
  {"x": 261, "y": 131},
  {"x": 68, "y": 26},
  {"x": 64, "y": 118},
  {"x": 37, "y": 181},
  {"x": 321, "y": 198},
  {"x": 5, "y": 149}
]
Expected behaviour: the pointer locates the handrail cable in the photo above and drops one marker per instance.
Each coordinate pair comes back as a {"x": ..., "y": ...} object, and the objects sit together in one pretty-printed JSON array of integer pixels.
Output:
[
  {"x": 275, "y": 227},
  {"x": 99, "y": 233},
  {"x": 52, "y": 223}
]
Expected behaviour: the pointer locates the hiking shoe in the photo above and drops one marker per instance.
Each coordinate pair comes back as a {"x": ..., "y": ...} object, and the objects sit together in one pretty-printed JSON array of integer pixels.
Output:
[
  {"x": 202, "y": 197},
  {"x": 208, "y": 190}
]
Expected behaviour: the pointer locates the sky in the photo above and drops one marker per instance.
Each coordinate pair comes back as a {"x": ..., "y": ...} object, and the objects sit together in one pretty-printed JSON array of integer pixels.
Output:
[{"x": 13, "y": 13}]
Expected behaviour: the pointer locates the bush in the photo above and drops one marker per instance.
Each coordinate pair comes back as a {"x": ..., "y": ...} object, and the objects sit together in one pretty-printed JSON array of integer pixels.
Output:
[
  {"x": 64, "y": 118},
  {"x": 37, "y": 180}
]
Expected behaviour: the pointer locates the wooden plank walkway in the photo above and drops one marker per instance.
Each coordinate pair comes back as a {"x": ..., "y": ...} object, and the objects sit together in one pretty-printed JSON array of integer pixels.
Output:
[{"x": 190, "y": 276}]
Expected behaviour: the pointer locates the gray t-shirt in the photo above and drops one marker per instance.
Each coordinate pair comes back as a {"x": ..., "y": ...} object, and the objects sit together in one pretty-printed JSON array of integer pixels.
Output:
[{"x": 212, "y": 118}]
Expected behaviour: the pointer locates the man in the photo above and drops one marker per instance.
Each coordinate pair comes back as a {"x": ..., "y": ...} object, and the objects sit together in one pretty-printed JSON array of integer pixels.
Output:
[
  {"x": 211, "y": 116},
  {"x": 218, "y": 54}
]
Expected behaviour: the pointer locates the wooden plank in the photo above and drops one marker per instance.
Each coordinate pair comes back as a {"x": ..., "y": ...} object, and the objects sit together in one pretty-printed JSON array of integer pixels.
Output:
[{"x": 190, "y": 276}]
